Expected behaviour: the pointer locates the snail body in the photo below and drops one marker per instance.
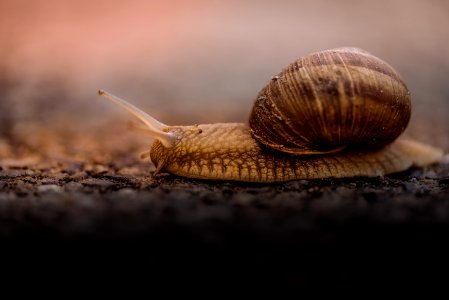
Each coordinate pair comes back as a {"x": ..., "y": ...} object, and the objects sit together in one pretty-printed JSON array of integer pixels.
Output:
[
  {"x": 335, "y": 113},
  {"x": 227, "y": 151}
]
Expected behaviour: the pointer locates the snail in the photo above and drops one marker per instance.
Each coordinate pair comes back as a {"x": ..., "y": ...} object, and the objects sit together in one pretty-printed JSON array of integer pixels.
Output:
[{"x": 331, "y": 114}]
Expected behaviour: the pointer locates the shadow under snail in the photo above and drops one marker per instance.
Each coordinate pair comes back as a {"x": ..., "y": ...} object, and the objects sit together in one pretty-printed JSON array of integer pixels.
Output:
[{"x": 335, "y": 113}]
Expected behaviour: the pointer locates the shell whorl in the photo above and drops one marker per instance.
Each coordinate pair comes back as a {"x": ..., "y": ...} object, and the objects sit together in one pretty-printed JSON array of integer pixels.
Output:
[{"x": 331, "y": 100}]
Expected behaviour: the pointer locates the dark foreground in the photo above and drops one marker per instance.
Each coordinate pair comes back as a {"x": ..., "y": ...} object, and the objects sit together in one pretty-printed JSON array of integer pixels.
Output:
[{"x": 118, "y": 226}]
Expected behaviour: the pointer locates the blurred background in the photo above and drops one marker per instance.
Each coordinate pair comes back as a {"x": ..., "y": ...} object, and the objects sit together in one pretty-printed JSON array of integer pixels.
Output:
[{"x": 188, "y": 62}]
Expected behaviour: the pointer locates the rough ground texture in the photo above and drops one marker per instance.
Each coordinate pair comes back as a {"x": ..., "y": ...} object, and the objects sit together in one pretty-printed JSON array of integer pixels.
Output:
[
  {"x": 78, "y": 208},
  {"x": 79, "y": 203}
]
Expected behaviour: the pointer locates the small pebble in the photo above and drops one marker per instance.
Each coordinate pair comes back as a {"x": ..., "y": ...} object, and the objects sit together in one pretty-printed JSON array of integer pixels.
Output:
[
  {"x": 98, "y": 169},
  {"x": 79, "y": 175},
  {"x": 73, "y": 168},
  {"x": 73, "y": 186},
  {"x": 49, "y": 188},
  {"x": 126, "y": 193},
  {"x": 48, "y": 181}
]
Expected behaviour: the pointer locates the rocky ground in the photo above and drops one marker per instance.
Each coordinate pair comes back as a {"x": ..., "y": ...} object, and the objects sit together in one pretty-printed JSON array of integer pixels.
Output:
[{"x": 80, "y": 206}]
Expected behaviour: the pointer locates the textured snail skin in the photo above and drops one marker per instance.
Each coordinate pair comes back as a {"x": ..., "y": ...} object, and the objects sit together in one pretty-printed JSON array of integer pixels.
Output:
[{"x": 228, "y": 152}]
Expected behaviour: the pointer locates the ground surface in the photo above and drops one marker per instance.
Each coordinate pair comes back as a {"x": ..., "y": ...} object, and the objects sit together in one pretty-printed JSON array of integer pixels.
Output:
[{"x": 77, "y": 207}]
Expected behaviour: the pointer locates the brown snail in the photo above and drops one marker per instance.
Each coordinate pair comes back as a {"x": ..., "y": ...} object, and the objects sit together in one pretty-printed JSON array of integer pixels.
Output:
[{"x": 335, "y": 113}]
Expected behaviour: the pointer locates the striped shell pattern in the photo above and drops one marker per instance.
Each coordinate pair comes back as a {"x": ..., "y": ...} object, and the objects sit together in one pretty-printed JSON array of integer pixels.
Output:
[{"x": 331, "y": 100}]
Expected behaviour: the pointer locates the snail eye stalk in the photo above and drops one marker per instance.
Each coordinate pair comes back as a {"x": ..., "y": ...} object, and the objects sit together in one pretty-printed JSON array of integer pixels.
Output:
[{"x": 155, "y": 128}]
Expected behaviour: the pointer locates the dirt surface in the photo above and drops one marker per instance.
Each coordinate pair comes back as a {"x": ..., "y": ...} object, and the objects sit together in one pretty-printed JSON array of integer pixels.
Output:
[
  {"x": 80, "y": 203},
  {"x": 79, "y": 208}
]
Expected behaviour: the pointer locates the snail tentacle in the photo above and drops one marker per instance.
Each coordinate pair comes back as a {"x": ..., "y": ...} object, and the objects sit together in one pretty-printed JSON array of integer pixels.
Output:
[{"x": 155, "y": 128}]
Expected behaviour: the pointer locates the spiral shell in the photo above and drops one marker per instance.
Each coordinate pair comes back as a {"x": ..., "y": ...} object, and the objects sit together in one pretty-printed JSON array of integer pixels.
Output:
[{"x": 331, "y": 100}]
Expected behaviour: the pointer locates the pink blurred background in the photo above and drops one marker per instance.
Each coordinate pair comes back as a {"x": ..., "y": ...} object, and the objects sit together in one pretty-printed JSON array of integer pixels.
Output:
[{"x": 201, "y": 61}]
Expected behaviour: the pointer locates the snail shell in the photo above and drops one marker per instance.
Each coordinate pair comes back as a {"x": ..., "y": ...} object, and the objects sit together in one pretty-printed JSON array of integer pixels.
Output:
[{"x": 331, "y": 100}]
